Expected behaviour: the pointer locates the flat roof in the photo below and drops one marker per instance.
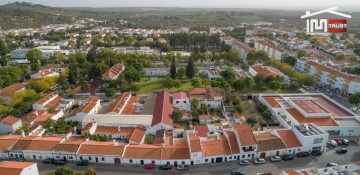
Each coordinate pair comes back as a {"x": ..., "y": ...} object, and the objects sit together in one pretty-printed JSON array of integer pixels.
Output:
[
  {"x": 117, "y": 119},
  {"x": 309, "y": 106},
  {"x": 309, "y": 130},
  {"x": 347, "y": 121},
  {"x": 325, "y": 121},
  {"x": 149, "y": 105}
]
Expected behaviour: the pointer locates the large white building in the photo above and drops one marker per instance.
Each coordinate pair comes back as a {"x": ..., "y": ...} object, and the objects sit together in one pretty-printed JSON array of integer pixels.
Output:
[
  {"x": 273, "y": 51},
  {"x": 294, "y": 109}
]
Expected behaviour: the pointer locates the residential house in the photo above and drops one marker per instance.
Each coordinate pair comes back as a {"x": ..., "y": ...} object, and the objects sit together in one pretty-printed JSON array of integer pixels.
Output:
[
  {"x": 38, "y": 117},
  {"x": 202, "y": 132},
  {"x": 67, "y": 150},
  {"x": 44, "y": 73},
  {"x": 195, "y": 149},
  {"x": 273, "y": 51},
  {"x": 7, "y": 92},
  {"x": 176, "y": 153},
  {"x": 269, "y": 145},
  {"x": 18, "y": 168},
  {"x": 101, "y": 152},
  {"x": 162, "y": 112},
  {"x": 114, "y": 72},
  {"x": 59, "y": 68},
  {"x": 234, "y": 144},
  {"x": 268, "y": 71},
  {"x": 205, "y": 119},
  {"x": 118, "y": 106},
  {"x": 290, "y": 140},
  {"x": 91, "y": 106},
  {"x": 181, "y": 101},
  {"x": 311, "y": 137},
  {"x": 211, "y": 97},
  {"x": 6, "y": 142},
  {"x": 212, "y": 73},
  {"x": 52, "y": 101},
  {"x": 246, "y": 141},
  {"x": 142, "y": 154},
  {"x": 215, "y": 151},
  {"x": 9, "y": 124},
  {"x": 243, "y": 48}
]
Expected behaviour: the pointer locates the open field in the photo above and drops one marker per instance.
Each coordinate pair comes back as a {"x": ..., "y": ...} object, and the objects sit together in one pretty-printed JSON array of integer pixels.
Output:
[{"x": 157, "y": 85}]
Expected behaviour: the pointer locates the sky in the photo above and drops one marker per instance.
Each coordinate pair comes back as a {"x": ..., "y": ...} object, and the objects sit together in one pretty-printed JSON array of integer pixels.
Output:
[{"x": 269, "y": 4}]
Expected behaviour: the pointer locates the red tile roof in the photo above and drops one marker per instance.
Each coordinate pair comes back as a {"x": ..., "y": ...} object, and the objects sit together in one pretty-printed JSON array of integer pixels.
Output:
[
  {"x": 119, "y": 103},
  {"x": 179, "y": 150},
  {"x": 143, "y": 151},
  {"x": 201, "y": 131},
  {"x": 327, "y": 121},
  {"x": 137, "y": 135},
  {"x": 14, "y": 168},
  {"x": 113, "y": 72},
  {"x": 289, "y": 138},
  {"x": 292, "y": 172},
  {"x": 195, "y": 145},
  {"x": 101, "y": 148},
  {"x": 180, "y": 95},
  {"x": 10, "y": 120},
  {"x": 216, "y": 147},
  {"x": 91, "y": 104},
  {"x": 233, "y": 142},
  {"x": 245, "y": 135},
  {"x": 204, "y": 93},
  {"x": 12, "y": 89},
  {"x": 163, "y": 109},
  {"x": 266, "y": 70}
]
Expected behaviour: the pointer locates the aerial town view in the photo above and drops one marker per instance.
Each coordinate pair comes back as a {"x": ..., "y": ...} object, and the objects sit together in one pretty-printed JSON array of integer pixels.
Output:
[{"x": 170, "y": 87}]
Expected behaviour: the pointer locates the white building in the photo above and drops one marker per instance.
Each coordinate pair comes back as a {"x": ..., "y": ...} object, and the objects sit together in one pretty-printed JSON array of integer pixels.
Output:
[
  {"x": 101, "y": 152},
  {"x": 267, "y": 71},
  {"x": 9, "y": 124},
  {"x": 91, "y": 106},
  {"x": 19, "y": 168},
  {"x": 272, "y": 50},
  {"x": 181, "y": 101},
  {"x": 211, "y": 97},
  {"x": 246, "y": 141},
  {"x": 44, "y": 73}
]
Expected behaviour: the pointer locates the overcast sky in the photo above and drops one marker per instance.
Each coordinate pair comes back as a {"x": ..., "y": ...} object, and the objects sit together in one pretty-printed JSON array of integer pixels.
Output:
[{"x": 273, "y": 4}]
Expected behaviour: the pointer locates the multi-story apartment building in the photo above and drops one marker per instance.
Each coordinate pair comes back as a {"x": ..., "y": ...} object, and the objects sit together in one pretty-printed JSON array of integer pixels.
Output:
[{"x": 274, "y": 52}]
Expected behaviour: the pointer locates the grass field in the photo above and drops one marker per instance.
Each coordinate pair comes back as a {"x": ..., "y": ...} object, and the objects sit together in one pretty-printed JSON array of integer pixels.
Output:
[{"x": 157, "y": 85}]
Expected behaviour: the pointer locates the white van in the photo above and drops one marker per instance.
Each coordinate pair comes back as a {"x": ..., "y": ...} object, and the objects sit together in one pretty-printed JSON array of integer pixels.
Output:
[{"x": 333, "y": 143}]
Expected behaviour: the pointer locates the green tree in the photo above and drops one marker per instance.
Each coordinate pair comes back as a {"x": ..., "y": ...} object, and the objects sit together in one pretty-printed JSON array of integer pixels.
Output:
[
  {"x": 34, "y": 55},
  {"x": 57, "y": 58},
  {"x": 180, "y": 74},
  {"x": 194, "y": 103},
  {"x": 196, "y": 82},
  {"x": 176, "y": 115},
  {"x": 355, "y": 99},
  {"x": 110, "y": 92},
  {"x": 274, "y": 85},
  {"x": 251, "y": 121},
  {"x": 173, "y": 68},
  {"x": 350, "y": 45},
  {"x": 266, "y": 114},
  {"x": 290, "y": 60},
  {"x": 85, "y": 86},
  {"x": 302, "y": 53},
  {"x": 90, "y": 171},
  {"x": 3, "y": 48},
  {"x": 190, "y": 69},
  {"x": 309, "y": 80},
  {"x": 63, "y": 170},
  {"x": 204, "y": 108},
  {"x": 73, "y": 74},
  {"x": 228, "y": 74},
  {"x": 92, "y": 54}
]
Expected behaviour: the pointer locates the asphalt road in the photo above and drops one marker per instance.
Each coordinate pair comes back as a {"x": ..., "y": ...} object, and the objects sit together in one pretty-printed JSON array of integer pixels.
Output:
[{"x": 353, "y": 155}]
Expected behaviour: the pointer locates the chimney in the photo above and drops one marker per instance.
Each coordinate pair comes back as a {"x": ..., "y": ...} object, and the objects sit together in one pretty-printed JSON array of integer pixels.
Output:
[
  {"x": 114, "y": 142},
  {"x": 22, "y": 133},
  {"x": 118, "y": 128},
  {"x": 36, "y": 113},
  {"x": 258, "y": 131},
  {"x": 306, "y": 126}
]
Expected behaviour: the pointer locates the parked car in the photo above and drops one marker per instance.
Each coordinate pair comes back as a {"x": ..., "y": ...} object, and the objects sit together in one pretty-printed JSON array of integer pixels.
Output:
[
  {"x": 182, "y": 167},
  {"x": 165, "y": 167},
  {"x": 341, "y": 151},
  {"x": 82, "y": 163},
  {"x": 345, "y": 141},
  {"x": 338, "y": 141},
  {"x": 48, "y": 161},
  {"x": 237, "y": 172},
  {"x": 150, "y": 166},
  {"x": 331, "y": 164},
  {"x": 59, "y": 162},
  {"x": 244, "y": 162},
  {"x": 288, "y": 157},
  {"x": 275, "y": 159},
  {"x": 316, "y": 153},
  {"x": 303, "y": 154},
  {"x": 259, "y": 161},
  {"x": 332, "y": 143}
]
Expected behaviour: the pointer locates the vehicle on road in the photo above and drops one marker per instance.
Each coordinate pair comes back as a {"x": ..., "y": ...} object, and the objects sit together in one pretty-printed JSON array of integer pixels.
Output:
[
  {"x": 82, "y": 163},
  {"x": 182, "y": 167},
  {"x": 275, "y": 159},
  {"x": 244, "y": 162},
  {"x": 345, "y": 141},
  {"x": 288, "y": 157},
  {"x": 316, "y": 153},
  {"x": 338, "y": 141},
  {"x": 332, "y": 143},
  {"x": 165, "y": 167},
  {"x": 303, "y": 154},
  {"x": 59, "y": 162},
  {"x": 259, "y": 161},
  {"x": 341, "y": 151},
  {"x": 48, "y": 161},
  {"x": 237, "y": 172},
  {"x": 331, "y": 164},
  {"x": 150, "y": 166}
]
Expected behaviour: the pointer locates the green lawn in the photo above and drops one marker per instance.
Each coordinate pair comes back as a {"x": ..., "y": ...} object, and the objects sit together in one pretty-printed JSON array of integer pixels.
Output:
[{"x": 156, "y": 85}]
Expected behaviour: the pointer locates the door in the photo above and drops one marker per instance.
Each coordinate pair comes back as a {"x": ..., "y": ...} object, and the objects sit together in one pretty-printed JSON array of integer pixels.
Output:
[
  {"x": 96, "y": 159},
  {"x": 212, "y": 160},
  {"x": 175, "y": 163},
  {"x": 192, "y": 162},
  {"x": 117, "y": 160},
  {"x": 225, "y": 159},
  {"x": 142, "y": 162},
  {"x": 262, "y": 155},
  {"x": 277, "y": 153},
  {"x": 65, "y": 158}
]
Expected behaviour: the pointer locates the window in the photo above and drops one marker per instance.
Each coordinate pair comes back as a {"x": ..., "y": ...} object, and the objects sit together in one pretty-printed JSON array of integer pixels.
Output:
[
  {"x": 81, "y": 158},
  {"x": 299, "y": 149},
  {"x": 103, "y": 159},
  {"x": 89, "y": 158},
  {"x": 194, "y": 154},
  {"x": 183, "y": 162},
  {"x": 130, "y": 161},
  {"x": 318, "y": 140},
  {"x": 206, "y": 160},
  {"x": 230, "y": 157},
  {"x": 249, "y": 155},
  {"x": 40, "y": 157},
  {"x": 70, "y": 157},
  {"x": 184, "y": 101},
  {"x": 177, "y": 102},
  {"x": 289, "y": 151},
  {"x": 243, "y": 156},
  {"x": 351, "y": 130},
  {"x": 153, "y": 161},
  {"x": 168, "y": 162},
  {"x": 20, "y": 155},
  {"x": 11, "y": 155}
]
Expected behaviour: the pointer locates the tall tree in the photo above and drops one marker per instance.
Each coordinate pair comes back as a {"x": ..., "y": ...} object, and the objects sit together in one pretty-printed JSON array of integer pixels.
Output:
[
  {"x": 73, "y": 74},
  {"x": 190, "y": 69},
  {"x": 92, "y": 54},
  {"x": 34, "y": 55},
  {"x": 355, "y": 99},
  {"x": 3, "y": 48},
  {"x": 173, "y": 69}
]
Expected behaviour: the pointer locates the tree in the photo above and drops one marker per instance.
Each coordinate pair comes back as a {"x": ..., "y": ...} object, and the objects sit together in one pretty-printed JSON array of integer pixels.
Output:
[
  {"x": 85, "y": 86},
  {"x": 302, "y": 53},
  {"x": 173, "y": 68},
  {"x": 57, "y": 58},
  {"x": 63, "y": 170},
  {"x": 204, "y": 108},
  {"x": 340, "y": 57},
  {"x": 350, "y": 45},
  {"x": 180, "y": 73},
  {"x": 110, "y": 92},
  {"x": 251, "y": 121},
  {"x": 259, "y": 80},
  {"x": 176, "y": 115},
  {"x": 34, "y": 55},
  {"x": 190, "y": 69},
  {"x": 196, "y": 82},
  {"x": 290, "y": 60},
  {"x": 266, "y": 114},
  {"x": 92, "y": 54},
  {"x": 330, "y": 43},
  {"x": 90, "y": 171},
  {"x": 309, "y": 80},
  {"x": 132, "y": 75},
  {"x": 228, "y": 74},
  {"x": 355, "y": 99},
  {"x": 274, "y": 85},
  {"x": 73, "y": 74},
  {"x": 3, "y": 48},
  {"x": 239, "y": 84},
  {"x": 194, "y": 103}
]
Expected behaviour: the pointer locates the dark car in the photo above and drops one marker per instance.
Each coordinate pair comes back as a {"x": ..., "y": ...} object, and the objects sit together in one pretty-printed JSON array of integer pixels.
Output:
[
  {"x": 48, "y": 161},
  {"x": 165, "y": 167},
  {"x": 237, "y": 172},
  {"x": 288, "y": 157},
  {"x": 316, "y": 153},
  {"x": 303, "y": 154},
  {"x": 59, "y": 162},
  {"x": 82, "y": 163},
  {"x": 341, "y": 151}
]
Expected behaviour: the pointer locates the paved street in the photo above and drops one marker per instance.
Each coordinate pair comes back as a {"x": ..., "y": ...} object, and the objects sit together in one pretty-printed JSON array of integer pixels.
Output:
[{"x": 353, "y": 155}]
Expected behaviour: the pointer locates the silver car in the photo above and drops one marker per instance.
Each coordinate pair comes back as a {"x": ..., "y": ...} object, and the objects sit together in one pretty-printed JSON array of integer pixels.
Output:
[
  {"x": 275, "y": 159},
  {"x": 259, "y": 161},
  {"x": 244, "y": 162}
]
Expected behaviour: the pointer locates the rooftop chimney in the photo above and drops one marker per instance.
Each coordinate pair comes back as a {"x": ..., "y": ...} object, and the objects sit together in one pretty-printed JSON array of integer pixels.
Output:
[
  {"x": 258, "y": 131},
  {"x": 306, "y": 126},
  {"x": 22, "y": 133},
  {"x": 114, "y": 142}
]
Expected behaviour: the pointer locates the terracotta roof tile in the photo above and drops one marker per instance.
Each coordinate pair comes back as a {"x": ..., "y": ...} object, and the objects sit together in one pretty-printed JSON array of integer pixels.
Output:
[
  {"x": 195, "y": 145},
  {"x": 5, "y": 144},
  {"x": 113, "y": 72},
  {"x": 101, "y": 148},
  {"x": 327, "y": 121},
  {"x": 179, "y": 150},
  {"x": 91, "y": 104},
  {"x": 216, "y": 147},
  {"x": 13, "y": 168},
  {"x": 37, "y": 143},
  {"x": 201, "y": 131},
  {"x": 266, "y": 142},
  {"x": 143, "y": 151},
  {"x": 292, "y": 172},
  {"x": 71, "y": 145},
  {"x": 119, "y": 103},
  {"x": 204, "y": 93},
  {"x": 245, "y": 135},
  {"x": 114, "y": 130},
  {"x": 180, "y": 95},
  {"x": 130, "y": 108},
  {"x": 266, "y": 71},
  {"x": 205, "y": 117},
  {"x": 163, "y": 109},
  {"x": 10, "y": 120},
  {"x": 137, "y": 135},
  {"x": 289, "y": 138},
  {"x": 234, "y": 146},
  {"x": 12, "y": 89}
]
